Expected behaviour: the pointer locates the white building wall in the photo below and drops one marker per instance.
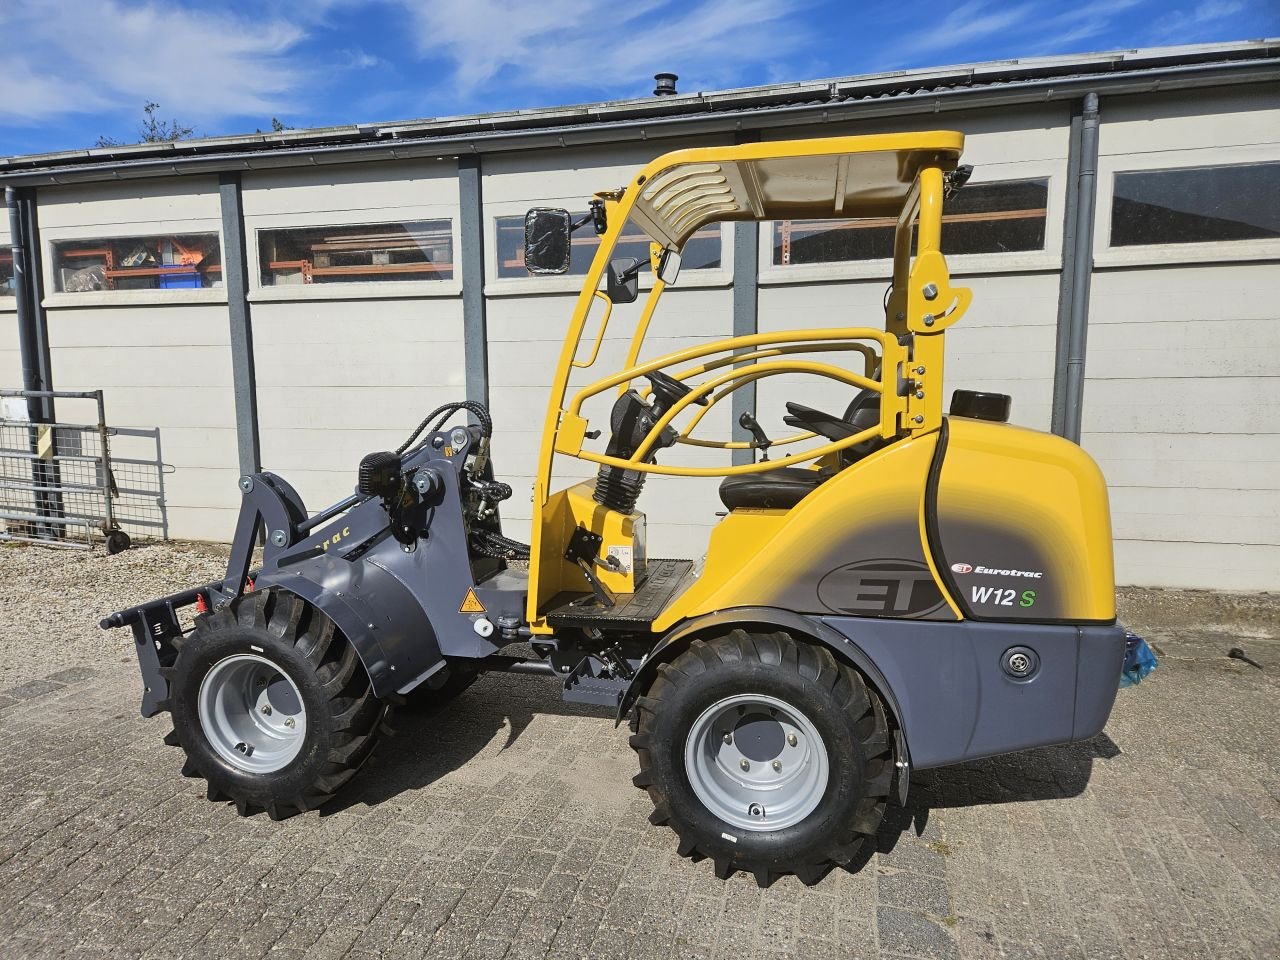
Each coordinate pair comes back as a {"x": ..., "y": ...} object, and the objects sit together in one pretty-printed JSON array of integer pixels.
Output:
[
  {"x": 345, "y": 369},
  {"x": 1182, "y": 399},
  {"x": 161, "y": 356}
]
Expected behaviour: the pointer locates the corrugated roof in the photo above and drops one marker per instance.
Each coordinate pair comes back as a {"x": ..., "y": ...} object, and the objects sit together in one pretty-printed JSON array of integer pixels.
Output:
[{"x": 745, "y": 107}]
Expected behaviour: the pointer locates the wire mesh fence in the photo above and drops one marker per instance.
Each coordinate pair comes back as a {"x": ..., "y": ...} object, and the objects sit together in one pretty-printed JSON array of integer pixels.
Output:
[{"x": 62, "y": 483}]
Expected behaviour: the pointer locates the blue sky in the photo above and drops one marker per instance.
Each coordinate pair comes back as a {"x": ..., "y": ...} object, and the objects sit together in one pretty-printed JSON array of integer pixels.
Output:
[{"x": 79, "y": 69}]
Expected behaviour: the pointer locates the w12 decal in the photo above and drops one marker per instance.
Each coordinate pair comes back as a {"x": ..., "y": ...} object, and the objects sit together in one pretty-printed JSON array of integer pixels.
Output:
[{"x": 1001, "y": 597}]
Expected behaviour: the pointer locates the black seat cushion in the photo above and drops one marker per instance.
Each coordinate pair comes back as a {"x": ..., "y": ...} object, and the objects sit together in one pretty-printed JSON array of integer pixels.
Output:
[{"x": 778, "y": 489}]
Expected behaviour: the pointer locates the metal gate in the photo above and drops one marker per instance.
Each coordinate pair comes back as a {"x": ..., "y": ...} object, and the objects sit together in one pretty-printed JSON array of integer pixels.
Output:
[{"x": 59, "y": 483}]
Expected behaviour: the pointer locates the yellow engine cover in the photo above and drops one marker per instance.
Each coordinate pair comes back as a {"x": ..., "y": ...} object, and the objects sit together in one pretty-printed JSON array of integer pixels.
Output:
[
  {"x": 979, "y": 520},
  {"x": 1022, "y": 529}
]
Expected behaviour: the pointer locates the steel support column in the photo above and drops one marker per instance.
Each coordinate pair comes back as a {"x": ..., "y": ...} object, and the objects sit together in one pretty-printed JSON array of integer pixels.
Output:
[
  {"x": 746, "y": 313},
  {"x": 475, "y": 326},
  {"x": 1077, "y": 270},
  {"x": 235, "y": 277},
  {"x": 746, "y": 319}
]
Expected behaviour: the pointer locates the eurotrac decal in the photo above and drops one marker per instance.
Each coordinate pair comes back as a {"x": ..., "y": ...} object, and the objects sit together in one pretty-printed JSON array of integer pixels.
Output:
[
  {"x": 882, "y": 588},
  {"x": 988, "y": 595}
]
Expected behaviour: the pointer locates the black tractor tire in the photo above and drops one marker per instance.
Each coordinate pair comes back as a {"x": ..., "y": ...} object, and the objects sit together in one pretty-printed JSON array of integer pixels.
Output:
[
  {"x": 343, "y": 718},
  {"x": 847, "y": 714},
  {"x": 426, "y": 700}
]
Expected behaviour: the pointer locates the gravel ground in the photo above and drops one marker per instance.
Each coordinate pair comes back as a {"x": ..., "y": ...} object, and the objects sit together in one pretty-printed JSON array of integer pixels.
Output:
[
  {"x": 51, "y": 600},
  {"x": 506, "y": 826}
]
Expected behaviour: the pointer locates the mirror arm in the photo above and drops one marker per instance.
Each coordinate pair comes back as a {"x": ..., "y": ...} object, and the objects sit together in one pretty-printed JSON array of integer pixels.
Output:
[{"x": 595, "y": 215}]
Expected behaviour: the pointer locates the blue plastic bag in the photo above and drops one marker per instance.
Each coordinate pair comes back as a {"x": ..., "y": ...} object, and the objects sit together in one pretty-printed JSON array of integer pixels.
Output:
[{"x": 1139, "y": 661}]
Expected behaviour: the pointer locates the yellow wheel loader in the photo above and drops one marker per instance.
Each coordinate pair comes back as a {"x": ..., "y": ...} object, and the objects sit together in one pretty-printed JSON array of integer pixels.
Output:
[{"x": 901, "y": 588}]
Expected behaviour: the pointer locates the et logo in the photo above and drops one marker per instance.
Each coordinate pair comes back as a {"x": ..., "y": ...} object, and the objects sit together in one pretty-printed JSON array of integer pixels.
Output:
[
  {"x": 962, "y": 568},
  {"x": 897, "y": 588}
]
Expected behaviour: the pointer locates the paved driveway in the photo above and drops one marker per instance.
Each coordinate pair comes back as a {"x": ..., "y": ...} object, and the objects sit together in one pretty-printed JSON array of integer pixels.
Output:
[{"x": 507, "y": 826}]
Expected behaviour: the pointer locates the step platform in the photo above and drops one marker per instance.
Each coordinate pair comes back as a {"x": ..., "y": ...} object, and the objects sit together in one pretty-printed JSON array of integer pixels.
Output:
[{"x": 632, "y": 611}]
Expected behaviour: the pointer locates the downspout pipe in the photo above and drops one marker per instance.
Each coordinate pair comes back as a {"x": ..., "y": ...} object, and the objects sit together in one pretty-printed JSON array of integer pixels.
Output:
[
  {"x": 28, "y": 331},
  {"x": 1082, "y": 270},
  {"x": 33, "y": 349}
]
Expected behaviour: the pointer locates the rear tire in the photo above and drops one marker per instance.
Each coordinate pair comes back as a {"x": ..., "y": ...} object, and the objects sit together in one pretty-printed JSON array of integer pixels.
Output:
[
  {"x": 271, "y": 705},
  {"x": 764, "y": 754}
]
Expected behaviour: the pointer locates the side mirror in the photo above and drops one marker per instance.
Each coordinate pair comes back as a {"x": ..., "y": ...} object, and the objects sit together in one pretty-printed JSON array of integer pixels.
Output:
[
  {"x": 624, "y": 280},
  {"x": 669, "y": 267},
  {"x": 546, "y": 240}
]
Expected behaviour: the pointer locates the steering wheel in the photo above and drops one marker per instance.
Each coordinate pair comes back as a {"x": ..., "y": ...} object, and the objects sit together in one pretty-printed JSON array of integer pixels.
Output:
[{"x": 667, "y": 390}]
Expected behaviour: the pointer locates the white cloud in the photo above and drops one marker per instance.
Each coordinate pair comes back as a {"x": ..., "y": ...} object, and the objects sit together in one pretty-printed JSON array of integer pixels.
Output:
[
  {"x": 358, "y": 59},
  {"x": 107, "y": 56},
  {"x": 603, "y": 44},
  {"x": 1185, "y": 26},
  {"x": 1029, "y": 28}
]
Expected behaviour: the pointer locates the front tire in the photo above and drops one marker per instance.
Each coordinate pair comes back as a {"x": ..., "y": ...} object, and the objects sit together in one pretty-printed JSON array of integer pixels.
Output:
[
  {"x": 271, "y": 705},
  {"x": 764, "y": 754}
]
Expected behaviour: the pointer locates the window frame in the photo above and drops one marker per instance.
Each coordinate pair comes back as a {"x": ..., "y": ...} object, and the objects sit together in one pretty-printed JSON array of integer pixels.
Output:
[
  {"x": 358, "y": 289},
  {"x": 495, "y": 286},
  {"x": 8, "y": 304},
  {"x": 1031, "y": 261},
  {"x": 454, "y": 266},
  {"x": 53, "y": 297},
  {"x": 1212, "y": 251}
]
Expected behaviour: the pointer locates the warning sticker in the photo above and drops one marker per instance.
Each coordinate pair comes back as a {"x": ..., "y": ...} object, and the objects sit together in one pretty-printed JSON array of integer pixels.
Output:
[{"x": 471, "y": 603}]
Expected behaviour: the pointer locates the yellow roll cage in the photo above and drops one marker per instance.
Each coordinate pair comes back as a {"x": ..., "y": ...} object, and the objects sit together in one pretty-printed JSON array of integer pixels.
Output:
[{"x": 895, "y": 176}]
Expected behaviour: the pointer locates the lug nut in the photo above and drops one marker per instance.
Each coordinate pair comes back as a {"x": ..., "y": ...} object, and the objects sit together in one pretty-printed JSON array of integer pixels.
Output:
[
  {"x": 266, "y": 709},
  {"x": 777, "y": 766},
  {"x": 744, "y": 765},
  {"x": 792, "y": 739},
  {"x": 728, "y": 738},
  {"x": 289, "y": 723}
]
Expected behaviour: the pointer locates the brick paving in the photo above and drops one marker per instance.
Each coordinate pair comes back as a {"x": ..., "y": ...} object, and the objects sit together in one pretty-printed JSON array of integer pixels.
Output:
[{"x": 506, "y": 827}]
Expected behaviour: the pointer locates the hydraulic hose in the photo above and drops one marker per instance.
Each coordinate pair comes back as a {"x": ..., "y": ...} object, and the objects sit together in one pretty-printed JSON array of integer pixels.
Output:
[{"x": 444, "y": 413}]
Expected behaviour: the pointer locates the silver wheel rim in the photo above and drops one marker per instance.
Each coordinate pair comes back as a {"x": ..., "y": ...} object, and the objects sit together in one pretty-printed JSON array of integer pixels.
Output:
[
  {"x": 756, "y": 762},
  {"x": 252, "y": 713}
]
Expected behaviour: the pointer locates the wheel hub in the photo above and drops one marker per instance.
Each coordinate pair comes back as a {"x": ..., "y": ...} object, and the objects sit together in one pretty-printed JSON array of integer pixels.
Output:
[
  {"x": 756, "y": 762},
  {"x": 252, "y": 713}
]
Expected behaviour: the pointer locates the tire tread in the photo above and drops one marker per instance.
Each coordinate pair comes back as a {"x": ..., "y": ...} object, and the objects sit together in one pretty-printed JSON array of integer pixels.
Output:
[{"x": 814, "y": 663}]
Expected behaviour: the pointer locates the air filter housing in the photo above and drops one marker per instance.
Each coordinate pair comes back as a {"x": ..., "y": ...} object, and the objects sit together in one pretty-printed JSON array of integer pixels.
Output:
[{"x": 981, "y": 406}]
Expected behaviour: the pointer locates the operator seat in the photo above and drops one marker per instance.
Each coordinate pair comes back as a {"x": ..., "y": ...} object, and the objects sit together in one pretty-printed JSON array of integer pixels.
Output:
[{"x": 783, "y": 488}]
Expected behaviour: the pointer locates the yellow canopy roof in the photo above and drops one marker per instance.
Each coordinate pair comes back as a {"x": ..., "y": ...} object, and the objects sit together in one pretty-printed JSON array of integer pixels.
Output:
[{"x": 836, "y": 177}]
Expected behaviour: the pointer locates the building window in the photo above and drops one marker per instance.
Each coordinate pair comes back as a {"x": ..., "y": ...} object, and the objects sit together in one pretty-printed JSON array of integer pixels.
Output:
[
  {"x": 168, "y": 262},
  {"x": 1196, "y": 204},
  {"x": 362, "y": 253},
  {"x": 701, "y": 251},
  {"x": 6, "y": 273},
  {"x": 1002, "y": 217}
]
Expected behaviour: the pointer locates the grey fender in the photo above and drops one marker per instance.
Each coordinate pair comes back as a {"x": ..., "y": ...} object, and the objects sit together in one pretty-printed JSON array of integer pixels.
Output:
[
  {"x": 378, "y": 614},
  {"x": 679, "y": 638}
]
